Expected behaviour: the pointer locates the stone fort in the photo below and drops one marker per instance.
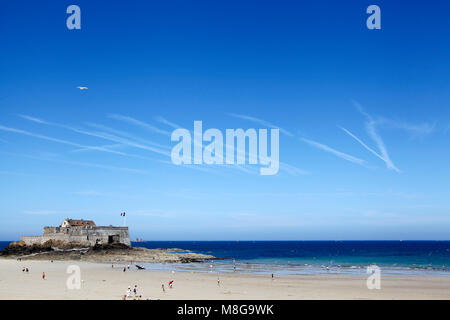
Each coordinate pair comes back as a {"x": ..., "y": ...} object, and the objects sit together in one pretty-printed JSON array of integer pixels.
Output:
[{"x": 81, "y": 231}]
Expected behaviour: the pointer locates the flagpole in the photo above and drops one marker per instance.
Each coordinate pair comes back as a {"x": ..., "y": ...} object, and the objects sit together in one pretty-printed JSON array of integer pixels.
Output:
[{"x": 124, "y": 215}]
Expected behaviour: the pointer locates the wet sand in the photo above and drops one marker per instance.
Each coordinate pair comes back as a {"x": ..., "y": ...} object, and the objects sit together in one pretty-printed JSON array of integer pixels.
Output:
[{"x": 101, "y": 281}]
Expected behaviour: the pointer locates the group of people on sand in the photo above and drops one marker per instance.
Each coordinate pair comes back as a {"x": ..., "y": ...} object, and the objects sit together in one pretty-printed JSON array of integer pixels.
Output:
[
  {"x": 128, "y": 295},
  {"x": 133, "y": 294},
  {"x": 124, "y": 268},
  {"x": 27, "y": 270},
  {"x": 170, "y": 286}
]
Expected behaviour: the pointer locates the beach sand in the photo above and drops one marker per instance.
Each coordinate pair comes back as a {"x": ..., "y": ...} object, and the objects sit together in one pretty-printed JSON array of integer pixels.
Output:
[{"x": 100, "y": 281}]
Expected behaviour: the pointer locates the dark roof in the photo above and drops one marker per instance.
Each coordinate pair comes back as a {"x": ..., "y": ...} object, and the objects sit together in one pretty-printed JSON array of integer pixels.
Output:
[{"x": 81, "y": 222}]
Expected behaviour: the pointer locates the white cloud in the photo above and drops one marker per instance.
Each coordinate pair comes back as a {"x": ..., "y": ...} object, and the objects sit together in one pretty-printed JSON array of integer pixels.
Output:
[
  {"x": 371, "y": 130},
  {"x": 105, "y": 136},
  {"x": 126, "y": 135},
  {"x": 261, "y": 122},
  {"x": 33, "y": 119},
  {"x": 415, "y": 130},
  {"x": 138, "y": 123},
  {"x": 167, "y": 122},
  {"x": 61, "y": 141},
  {"x": 333, "y": 151}
]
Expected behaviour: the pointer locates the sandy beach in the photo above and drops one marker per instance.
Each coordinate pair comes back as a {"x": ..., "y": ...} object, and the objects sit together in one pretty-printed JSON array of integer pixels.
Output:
[{"x": 101, "y": 281}]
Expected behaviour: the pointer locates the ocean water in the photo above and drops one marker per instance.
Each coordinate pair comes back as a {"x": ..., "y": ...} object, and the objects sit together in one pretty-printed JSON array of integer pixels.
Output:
[
  {"x": 315, "y": 257},
  {"x": 311, "y": 257}
]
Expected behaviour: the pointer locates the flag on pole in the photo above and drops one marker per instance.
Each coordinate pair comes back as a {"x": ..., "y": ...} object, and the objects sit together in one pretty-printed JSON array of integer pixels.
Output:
[{"x": 122, "y": 214}]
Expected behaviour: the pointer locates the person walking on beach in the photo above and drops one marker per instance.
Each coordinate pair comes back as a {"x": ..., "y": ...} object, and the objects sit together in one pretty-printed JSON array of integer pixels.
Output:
[
  {"x": 163, "y": 289},
  {"x": 135, "y": 290},
  {"x": 128, "y": 292},
  {"x": 272, "y": 277},
  {"x": 43, "y": 275},
  {"x": 170, "y": 284},
  {"x": 124, "y": 269}
]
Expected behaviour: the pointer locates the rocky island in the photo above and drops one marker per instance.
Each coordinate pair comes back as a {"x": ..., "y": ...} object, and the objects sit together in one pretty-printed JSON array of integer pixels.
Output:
[{"x": 82, "y": 240}]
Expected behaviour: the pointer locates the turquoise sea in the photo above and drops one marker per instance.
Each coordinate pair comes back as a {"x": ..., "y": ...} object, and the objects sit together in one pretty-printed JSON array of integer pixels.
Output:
[{"x": 311, "y": 257}]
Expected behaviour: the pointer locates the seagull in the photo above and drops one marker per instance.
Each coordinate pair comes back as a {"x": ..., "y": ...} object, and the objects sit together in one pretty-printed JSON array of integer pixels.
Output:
[{"x": 82, "y": 88}]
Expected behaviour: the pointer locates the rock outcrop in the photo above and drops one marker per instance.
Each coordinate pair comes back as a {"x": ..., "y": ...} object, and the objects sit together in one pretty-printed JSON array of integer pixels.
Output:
[{"x": 117, "y": 252}]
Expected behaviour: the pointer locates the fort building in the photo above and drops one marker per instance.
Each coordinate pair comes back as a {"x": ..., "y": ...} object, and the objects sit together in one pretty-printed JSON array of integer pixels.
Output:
[{"x": 81, "y": 231}]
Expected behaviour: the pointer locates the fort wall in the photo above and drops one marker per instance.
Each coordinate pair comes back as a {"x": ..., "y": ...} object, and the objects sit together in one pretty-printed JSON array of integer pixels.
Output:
[{"x": 87, "y": 235}]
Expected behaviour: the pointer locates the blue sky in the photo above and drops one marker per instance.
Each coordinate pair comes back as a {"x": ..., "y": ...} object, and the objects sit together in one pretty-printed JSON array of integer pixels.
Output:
[{"x": 364, "y": 116}]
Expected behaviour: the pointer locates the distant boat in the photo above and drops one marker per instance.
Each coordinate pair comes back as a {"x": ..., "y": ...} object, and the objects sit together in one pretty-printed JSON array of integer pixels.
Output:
[{"x": 140, "y": 267}]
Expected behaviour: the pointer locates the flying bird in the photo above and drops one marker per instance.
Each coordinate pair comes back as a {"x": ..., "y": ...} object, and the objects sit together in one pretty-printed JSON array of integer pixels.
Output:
[{"x": 82, "y": 88}]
